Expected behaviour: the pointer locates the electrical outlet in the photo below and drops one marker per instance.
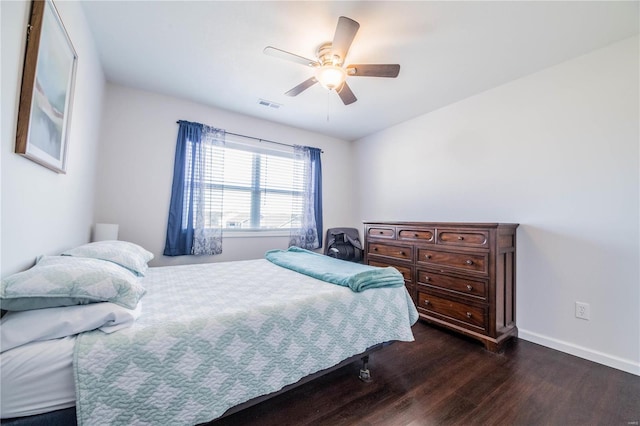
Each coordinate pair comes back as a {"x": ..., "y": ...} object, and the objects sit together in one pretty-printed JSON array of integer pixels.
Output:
[{"x": 582, "y": 310}]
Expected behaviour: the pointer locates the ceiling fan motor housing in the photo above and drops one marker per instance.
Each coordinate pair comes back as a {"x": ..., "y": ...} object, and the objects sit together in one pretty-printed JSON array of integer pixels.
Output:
[{"x": 327, "y": 57}]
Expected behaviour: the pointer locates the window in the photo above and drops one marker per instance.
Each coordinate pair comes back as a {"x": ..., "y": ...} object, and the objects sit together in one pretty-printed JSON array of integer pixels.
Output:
[
  {"x": 226, "y": 185},
  {"x": 260, "y": 189}
]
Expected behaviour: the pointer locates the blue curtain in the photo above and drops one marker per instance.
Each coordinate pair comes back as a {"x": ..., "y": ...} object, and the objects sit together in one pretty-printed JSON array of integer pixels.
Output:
[
  {"x": 316, "y": 167},
  {"x": 309, "y": 234},
  {"x": 180, "y": 239},
  {"x": 188, "y": 230}
]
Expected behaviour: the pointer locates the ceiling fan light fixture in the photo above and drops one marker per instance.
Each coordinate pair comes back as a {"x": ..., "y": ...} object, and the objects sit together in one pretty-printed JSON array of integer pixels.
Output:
[{"x": 331, "y": 77}]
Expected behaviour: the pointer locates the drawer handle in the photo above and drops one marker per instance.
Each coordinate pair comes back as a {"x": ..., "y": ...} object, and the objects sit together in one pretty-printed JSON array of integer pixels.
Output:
[
  {"x": 469, "y": 262},
  {"x": 428, "y": 256},
  {"x": 381, "y": 232},
  {"x": 427, "y": 278},
  {"x": 468, "y": 314},
  {"x": 469, "y": 287},
  {"x": 402, "y": 253},
  {"x": 426, "y": 302},
  {"x": 461, "y": 238},
  {"x": 416, "y": 235},
  {"x": 375, "y": 249}
]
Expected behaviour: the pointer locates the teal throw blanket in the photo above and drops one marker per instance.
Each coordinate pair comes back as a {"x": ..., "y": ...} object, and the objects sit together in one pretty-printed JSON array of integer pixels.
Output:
[{"x": 356, "y": 276}]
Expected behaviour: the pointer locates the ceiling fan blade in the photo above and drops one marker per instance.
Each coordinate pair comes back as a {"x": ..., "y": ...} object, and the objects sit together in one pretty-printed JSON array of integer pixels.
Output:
[
  {"x": 373, "y": 70},
  {"x": 302, "y": 87},
  {"x": 283, "y": 54},
  {"x": 342, "y": 39},
  {"x": 346, "y": 94}
]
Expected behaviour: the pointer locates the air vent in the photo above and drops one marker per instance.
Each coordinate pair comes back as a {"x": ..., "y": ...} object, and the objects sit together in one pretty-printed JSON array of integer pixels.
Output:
[{"x": 269, "y": 104}]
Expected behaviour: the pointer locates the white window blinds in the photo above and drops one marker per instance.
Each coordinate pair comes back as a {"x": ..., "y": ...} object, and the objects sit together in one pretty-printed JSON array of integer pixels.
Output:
[{"x": 262, "y": 188}]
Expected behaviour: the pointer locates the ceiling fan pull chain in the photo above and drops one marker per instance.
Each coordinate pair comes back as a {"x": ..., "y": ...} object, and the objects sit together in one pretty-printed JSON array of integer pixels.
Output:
[{"x": 328, "y": 103}]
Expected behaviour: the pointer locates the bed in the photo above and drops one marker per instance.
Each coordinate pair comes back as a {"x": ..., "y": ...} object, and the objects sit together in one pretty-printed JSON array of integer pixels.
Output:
[{"x": 207, "y": 338}]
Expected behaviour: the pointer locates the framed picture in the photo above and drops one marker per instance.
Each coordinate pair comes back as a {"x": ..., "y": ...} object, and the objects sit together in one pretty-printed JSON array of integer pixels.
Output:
[{"x": 46, "y": 97}]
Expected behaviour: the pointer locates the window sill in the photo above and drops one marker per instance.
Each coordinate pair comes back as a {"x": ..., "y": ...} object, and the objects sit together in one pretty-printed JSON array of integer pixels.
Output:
[{"x": 254, "y": 234}]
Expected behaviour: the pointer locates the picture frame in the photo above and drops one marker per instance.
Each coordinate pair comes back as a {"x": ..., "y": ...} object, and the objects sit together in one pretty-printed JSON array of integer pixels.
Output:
[{"x": 46, "y": 95}]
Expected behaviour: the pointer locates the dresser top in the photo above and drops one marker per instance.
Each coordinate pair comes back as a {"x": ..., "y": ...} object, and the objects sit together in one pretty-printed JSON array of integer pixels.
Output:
[{"x": 444, "y": 224}]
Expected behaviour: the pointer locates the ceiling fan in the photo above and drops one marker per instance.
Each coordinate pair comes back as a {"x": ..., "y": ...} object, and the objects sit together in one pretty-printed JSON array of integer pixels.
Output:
[{"x": 329, "y": 63}]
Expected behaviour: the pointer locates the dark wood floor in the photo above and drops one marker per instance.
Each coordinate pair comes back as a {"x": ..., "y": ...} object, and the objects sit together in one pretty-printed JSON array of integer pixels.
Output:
[{"x": 445, "y": 379}]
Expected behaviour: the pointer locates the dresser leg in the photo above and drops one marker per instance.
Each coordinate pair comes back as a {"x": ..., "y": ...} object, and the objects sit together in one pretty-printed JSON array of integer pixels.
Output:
[
  {"x": 498, "y": 346},
  {"x": 492, "y": 346}
]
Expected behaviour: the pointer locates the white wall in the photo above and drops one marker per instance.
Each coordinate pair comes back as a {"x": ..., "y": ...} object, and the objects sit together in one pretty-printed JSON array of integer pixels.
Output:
[
  {"x": 557, "y": 152},
  {"x": 44, "y": 212},
  {"x": 137, "y": 150}
]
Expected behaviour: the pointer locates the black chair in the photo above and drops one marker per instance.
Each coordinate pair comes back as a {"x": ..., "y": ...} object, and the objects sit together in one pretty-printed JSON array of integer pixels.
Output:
[{"x": 344, "y": 243}]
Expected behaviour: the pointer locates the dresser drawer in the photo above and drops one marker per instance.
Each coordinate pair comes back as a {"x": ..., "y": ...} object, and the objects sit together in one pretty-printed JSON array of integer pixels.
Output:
[
  {"x": 468, "y": 287},
  {"x": 470, "y": 316},
  {"x": 417, "y": 235},
  {"x": 396, "y": 252},
  {"x": 404, "y": 270},
  {"x": 457, "y": 237},
  {"x": 381, "y": 232},
  {"x": 473, "y": 262}
]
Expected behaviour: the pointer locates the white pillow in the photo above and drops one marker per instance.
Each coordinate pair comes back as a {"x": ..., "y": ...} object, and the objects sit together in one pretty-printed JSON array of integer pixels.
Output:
[
  {"x": 18, "y": 328},
  {"x": 123, "y": 253}
]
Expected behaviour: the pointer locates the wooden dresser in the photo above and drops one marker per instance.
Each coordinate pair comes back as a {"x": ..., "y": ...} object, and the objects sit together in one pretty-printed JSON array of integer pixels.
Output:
[{"x": 460, "y": 275}]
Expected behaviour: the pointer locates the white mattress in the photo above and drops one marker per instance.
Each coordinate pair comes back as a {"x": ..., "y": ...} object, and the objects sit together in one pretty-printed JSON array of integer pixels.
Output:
[{"x": 37, "y": 378}]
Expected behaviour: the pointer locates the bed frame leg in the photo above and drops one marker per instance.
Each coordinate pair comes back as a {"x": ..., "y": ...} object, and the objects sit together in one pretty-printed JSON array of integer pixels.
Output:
[{"x": 365, "y": 375}]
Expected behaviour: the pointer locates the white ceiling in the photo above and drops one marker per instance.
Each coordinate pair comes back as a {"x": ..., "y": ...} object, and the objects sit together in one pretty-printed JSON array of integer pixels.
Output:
[{"x": 211, "y": 52}]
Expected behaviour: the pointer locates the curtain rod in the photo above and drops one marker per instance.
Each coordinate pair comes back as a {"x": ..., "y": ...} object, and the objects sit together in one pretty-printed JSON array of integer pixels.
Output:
[{"x": 258, "y": 139}]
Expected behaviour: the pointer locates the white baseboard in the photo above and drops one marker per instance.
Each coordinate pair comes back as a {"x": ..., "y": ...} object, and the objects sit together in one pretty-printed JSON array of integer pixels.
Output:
[{"x": 601, "y": 358}]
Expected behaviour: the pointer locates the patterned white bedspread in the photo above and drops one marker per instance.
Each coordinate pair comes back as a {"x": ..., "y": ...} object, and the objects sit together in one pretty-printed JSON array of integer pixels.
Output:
[{"x": 215, "y": 335}]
